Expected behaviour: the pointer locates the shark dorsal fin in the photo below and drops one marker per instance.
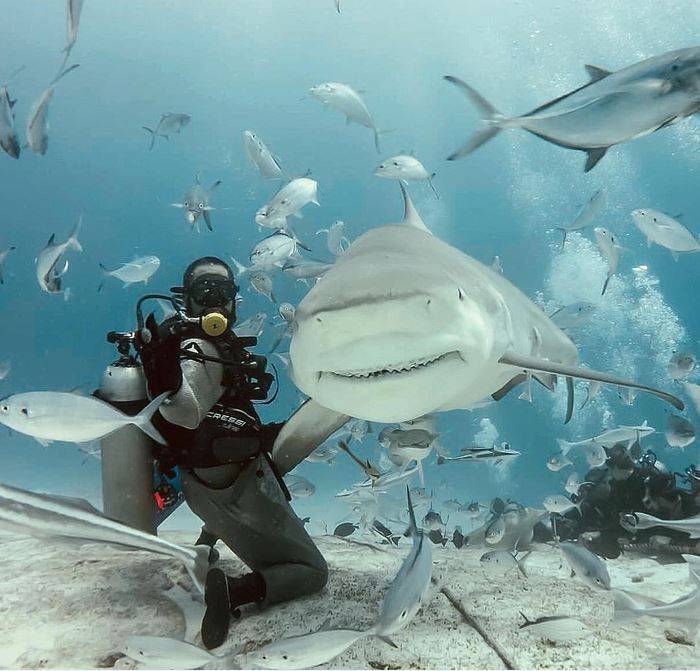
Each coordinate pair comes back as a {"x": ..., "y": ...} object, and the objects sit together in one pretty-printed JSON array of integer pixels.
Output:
[
  {"x": 596, "y": 73},
  {"x": 410, "y": 215}
]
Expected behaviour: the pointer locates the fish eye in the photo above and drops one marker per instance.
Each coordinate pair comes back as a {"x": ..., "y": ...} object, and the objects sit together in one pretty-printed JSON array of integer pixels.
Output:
[
  {"x": 404, "y": 613},
  {"x": 201, "y": 206},
  {"x": 186, "y": 204},
  {"x": 24, "y": 411},
  {"x": 461, "y": 294},
  {"x": 285, "y": 657},
  {"x": 396, "y": 163},
  {"x": 5, "y": 408}
]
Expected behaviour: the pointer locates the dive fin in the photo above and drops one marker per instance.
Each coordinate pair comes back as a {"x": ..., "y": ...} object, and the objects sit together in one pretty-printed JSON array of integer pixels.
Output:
[
  {"x": 567, "y": 370},
  {"x": 509, "y": 386},
  {"x": 596, "y": 73},
  {"x": 410, "y": 214},
  {"x": 492, "y": 119},
  {"x": 594, "y": 155}
]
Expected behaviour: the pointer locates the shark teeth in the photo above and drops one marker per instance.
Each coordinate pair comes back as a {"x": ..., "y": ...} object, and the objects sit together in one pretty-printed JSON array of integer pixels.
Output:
[{"x": 391, "y": 369}]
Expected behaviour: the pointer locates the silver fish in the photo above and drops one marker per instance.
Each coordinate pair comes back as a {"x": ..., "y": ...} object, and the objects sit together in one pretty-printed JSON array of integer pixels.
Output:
[
  {"x": 406, "y": 168},
  {"x": 482, "y": 454},
  {"x": 556, "y": 503},
  {"x": 8, "y": 136},
  {"x": 411, "y": 584},
  {"x": 51, "y": 263},
  {"x": 665, "y": 231},
  {"x": 495, "y": 531},
  {"x": 556, "y": 628},
  {"x": 261, "y": 157},
  {"x": 610, "y": 251},
  {"x": 38, "y": 118},
  {"x": 304, "y": 270},
  {"x": 589, "y": 567},
  {"x": 140, "y": 269},
  {"x": 336, "y": 241},
  {"x": 299, "y": 487},
  {"x": 433, "y": 521},
  {"x": 348, "y": 101},
  {"x": 262, "y": 283},
  {"x": 585, "y": 216},
  {"x": 570, "y": 316},
  {"x": 503, "y": 559},
  {"x": 681, "y": 365},
  {"x": 275, "y": 251},
  {"x": 573, "y": 484},
  {"x": 639, "y": 521},
  {"x": 196, "y": 204},
  {"x": 251, "y": 327},
  {"x": 169, "y": 124},
  {"x": 622, "y": 434},
  {"x": 323, "y": 455},
  {"x": 60, "y": 517},
  {"x": 3, "y": 256},
  {"x": 558, "y": 461},
  {"x": 73, "y": 10},
  {"x": 287, "y": 202},
  {"x": 53, "y": 415},
  {"x": 679, "y": 431},
  {"x": 613, "y": 107}
]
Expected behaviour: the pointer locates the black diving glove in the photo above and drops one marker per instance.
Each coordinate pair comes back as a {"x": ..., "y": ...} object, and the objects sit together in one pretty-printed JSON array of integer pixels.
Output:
[{"x": 160, "y": 357}]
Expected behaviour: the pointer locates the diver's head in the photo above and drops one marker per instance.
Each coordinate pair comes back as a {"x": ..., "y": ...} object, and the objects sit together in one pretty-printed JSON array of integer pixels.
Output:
[{"x": 208, "y": 286}]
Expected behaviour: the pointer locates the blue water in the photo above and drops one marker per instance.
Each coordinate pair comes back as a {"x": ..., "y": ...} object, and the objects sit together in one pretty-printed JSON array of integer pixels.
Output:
[{"x": 248, "y": 65}]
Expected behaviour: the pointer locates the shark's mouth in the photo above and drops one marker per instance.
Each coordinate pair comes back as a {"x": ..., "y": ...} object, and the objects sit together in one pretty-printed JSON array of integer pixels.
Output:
[{"x": 392, "y": 370}]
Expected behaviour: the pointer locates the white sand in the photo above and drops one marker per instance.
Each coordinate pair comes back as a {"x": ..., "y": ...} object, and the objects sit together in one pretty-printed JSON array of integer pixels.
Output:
[{"x": 63, "y": 606}]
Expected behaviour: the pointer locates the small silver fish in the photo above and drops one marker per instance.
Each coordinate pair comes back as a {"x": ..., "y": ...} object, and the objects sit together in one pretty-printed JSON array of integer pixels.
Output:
[
  {"x": 275, "y": 251},
  {"x": 556, "y": 503},
  {"x": 503, "y": 560},
  {"x": 169, "y": 124},
  {"x": 610, "y": 251},
  {"x": 336, "y": 241},
  {"x": 556, "y": 628},
  {"x": 38, "y": 118},
  {"x": 586, "y": 215},
  {"x": 261, "y": 157},
  {"x": 679, "y": 431},
  {"x": 588, "y": 567},
  {"x": 140, "y": 269},
  {"x": 51, "y": 263},
  {"x": 681, "y": 365},
  {"x": 665, "y": 231},
  {"x": 406, "y": 168},
  {"x": 304, "y": 270},
  {"x": 299, "y": 487},
  {"x": 348, "y": 101},
  {"x": 262, "y": 283},
  {"x": 3, "y": 256},
  {"x": 8, "y": 135},
  {"x": 251, "y": 327},
  {"x": 571, "y": 316},
  {"x": 196, "y": 204},
  {"x": 558, "y": 461},
  {"x": 287, "y": 202}
]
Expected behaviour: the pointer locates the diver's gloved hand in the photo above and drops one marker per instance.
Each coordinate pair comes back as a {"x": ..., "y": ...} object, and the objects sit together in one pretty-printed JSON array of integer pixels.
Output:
[{"x": 160, "y": 357}]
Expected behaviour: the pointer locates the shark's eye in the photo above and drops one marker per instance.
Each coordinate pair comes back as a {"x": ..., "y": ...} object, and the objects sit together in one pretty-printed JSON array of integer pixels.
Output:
[
  {"x": 404, "y": 613},
  {"x": 396, "y": 163},
  {"x": 461, "y": 295},
  {"x": 24, "y": 411}
]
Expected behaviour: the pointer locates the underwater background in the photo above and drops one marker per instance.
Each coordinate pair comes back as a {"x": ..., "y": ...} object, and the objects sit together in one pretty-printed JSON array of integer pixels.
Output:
[{"x": 248, "y": 65}]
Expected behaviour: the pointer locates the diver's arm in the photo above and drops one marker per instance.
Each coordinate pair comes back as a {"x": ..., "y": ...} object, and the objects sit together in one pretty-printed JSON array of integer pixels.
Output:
[
  {"x": 200, "y": 387},
  {"x": 303, "y": 432}
]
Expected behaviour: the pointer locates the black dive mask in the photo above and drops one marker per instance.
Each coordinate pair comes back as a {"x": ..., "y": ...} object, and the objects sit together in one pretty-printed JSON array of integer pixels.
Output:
[{"x": 212, "y": 291}]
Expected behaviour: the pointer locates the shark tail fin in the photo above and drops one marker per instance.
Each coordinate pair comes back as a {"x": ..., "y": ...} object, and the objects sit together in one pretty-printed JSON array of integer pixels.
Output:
[
  {"x": 492, "y": 120},
  {"x": 143, "y": 419}
]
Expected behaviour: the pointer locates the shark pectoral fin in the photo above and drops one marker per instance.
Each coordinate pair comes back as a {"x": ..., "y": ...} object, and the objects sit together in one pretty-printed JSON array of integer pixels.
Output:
[
  {"x": 509, "y": 386},
  {"x": 594, "y": 155},
  {"x": 596, "y": 73},
  {"x": 534, "y": 364}
]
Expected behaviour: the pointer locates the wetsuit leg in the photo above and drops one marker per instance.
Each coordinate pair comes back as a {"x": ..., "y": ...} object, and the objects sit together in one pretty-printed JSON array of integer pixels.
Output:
[{"x": 253, "y": 518}]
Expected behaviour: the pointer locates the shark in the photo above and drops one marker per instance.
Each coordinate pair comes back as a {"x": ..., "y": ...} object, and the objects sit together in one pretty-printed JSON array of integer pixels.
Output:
[{"x": 404, "y": 325}]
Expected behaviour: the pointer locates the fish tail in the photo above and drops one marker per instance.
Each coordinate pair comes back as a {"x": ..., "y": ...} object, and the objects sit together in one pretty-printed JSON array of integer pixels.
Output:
[
  {"x": 73, "y": 238},
  {"x": 143, "y": 419},
  {"x": 564, "y": 446},
  {"x": 153, "y": 136},
  {"x": 626, "y": 608},
  {"x": 432, "y": 186},
  {"x": 492, "y": 120},
  {"x": 240, "y": 268}
]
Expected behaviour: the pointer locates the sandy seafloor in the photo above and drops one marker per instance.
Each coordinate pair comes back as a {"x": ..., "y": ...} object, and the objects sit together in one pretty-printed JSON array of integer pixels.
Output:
[{"x": 69, "y": 607}]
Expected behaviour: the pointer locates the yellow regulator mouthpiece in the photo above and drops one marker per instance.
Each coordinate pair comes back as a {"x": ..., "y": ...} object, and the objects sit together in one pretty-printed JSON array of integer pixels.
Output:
[{"x": 214, "y": 324}]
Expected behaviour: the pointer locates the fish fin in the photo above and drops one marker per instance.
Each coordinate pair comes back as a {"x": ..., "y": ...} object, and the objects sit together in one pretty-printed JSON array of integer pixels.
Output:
[
  {"x": 43, "y": 442},
  {"x": 63, "y": 73},
  {"x": 597, "y": 73},
  {"x": 51, "y": 240},
  {"x": 526, "y": 394},
  {"x": 73, "y": 238},
  {"x": 626, "y": 608},
  {"x": 594, "y": 155},
  {"x": 143, "y": 419},
  {"x": 101, "y": 285},
  {"x": 387, "y": 640},
  {"x": 153, "y": 136},
  {"x": 564, "y": 233},
  {"x": 509, "y": 386},
  {"x": 567, "y": 370},
  {"x": 548, "y": 381},
  {"x": 178, "y": 205},
  {"x": 411, "y": 513},
  {"x": 432, "y": 186},
  {"x": 240, "y": 268},
  {"x": 298, "y": 215},
  {"x": 410, "y": 214},
  {"x": 214, "y": 185},
  {"x": 569, "y": 399},
  {"x": 605, "y": 285},
  {"x": 491, "y": 118},
  {"x": 207, "y": 219},
  {"x": 526, "y": 618}
]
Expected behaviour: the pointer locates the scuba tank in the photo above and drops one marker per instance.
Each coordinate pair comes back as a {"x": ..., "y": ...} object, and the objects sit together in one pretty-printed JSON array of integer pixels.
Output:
[{"x": 127, "y": 461}]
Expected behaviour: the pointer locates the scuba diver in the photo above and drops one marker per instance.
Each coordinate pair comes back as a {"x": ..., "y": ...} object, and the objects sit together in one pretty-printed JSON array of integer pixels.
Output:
[{"x": 216, "y": 439}]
